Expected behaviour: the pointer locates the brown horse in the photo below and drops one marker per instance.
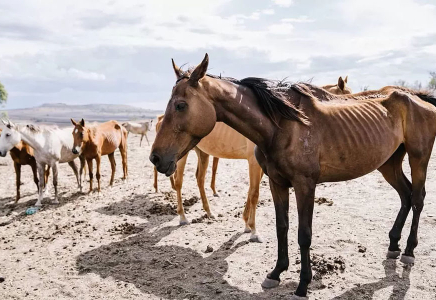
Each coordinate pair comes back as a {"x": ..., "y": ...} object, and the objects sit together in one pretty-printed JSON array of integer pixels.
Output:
[
  {"x": 22, "y": 155},
  {"x": 96, "y": 141},
  {"x": 214, "y": 166},
  {"x": 222, "y": 142},
  {"x": 340, "y": 88},
  {"x": 302, "y": 141}
]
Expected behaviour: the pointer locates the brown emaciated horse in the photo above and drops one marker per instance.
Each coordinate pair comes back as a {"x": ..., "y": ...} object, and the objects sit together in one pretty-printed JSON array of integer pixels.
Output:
[
  {"x": 223, "y": 142},
  {"x": 214, "y": 166},
  {"x": 302, "y": 141},
  {"x": 96, "y": 141}
]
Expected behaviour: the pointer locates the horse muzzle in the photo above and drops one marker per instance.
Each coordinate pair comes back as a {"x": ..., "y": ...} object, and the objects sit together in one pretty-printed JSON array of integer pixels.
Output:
[
  {"x": 162, "y": 165},
  {"x": 3, "y": 154}
]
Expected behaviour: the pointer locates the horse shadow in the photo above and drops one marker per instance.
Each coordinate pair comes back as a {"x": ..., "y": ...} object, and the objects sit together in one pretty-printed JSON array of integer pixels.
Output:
[
  {"x": 19, "y": 209},
  {"x": 168, "y": 271},
  {"x": 400, "y": 284}
]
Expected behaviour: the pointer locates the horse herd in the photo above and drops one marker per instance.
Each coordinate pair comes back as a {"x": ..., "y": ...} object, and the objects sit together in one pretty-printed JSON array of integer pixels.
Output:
[
  {"x": 45, "y": 147},
  {"x": 297, "y": 134}
]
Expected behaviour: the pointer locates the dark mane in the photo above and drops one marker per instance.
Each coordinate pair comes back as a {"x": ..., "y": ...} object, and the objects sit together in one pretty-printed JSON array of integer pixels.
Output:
[{"x": 271, "y": 95}]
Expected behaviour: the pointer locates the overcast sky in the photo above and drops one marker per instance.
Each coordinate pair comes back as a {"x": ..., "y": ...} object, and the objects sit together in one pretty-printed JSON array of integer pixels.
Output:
[{"x": 103, "y": 51}]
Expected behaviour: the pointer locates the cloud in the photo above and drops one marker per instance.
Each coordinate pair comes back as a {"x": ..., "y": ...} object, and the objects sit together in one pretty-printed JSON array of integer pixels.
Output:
[
  {"x": 89, "y": 51},
  {"x": 283, "y": 3}
]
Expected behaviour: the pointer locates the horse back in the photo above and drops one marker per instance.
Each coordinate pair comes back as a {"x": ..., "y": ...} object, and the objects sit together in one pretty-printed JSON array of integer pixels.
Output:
[{"x": 110, "y": 136}]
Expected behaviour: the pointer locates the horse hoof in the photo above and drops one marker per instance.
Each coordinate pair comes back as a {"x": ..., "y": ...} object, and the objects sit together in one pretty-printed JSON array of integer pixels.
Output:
[
  {"x": 216, "y": 195},
  {"x": 247, "y": 230},
  {"x": 269, "y": 283},
  {"x": 393, "y": 254},
  {"x": 56, "y": 201},
  {"x": 408, "y": 260},
  {"x": 38, "y": 204},
  {"x": 184, "y": 222},
  {"x": 255, "y": 239},
  {"x": 295, "y": 297}
]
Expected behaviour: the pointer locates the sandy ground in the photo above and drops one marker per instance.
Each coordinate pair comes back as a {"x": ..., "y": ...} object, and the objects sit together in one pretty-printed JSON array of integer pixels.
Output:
[{"x": 126, "y": 243}]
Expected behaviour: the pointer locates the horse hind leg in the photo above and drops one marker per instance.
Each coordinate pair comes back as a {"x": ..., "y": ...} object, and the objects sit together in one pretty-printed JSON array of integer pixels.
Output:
[
  {"x": 147, "y": 139},
  {"x": 214, "y": 169},
  {"x": 113, "y": 166},
  {"x": 123, "y": 151},
  {"x": 55, "y": 168},
  {"x": 418, "y": 166},
  {"x": 392, "y": 171}
]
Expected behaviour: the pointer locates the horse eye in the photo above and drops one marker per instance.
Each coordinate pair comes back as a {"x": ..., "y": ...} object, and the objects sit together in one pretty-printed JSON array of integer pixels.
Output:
[
  {"x": 8, "y": 134},
  {"x": 181, "y": 106}
]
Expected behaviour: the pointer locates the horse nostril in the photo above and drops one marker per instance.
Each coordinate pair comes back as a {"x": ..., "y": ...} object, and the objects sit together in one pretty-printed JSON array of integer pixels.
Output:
[{"x": 155, "y": 159}]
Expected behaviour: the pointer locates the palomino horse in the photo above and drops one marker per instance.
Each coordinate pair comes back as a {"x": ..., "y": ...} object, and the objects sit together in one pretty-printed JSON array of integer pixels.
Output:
[
  {"x": 340, "y": 88},
  {"x": 51, "y": 146},
  {"x": 96, "y": 141},
  {"x": 302, "y": 141},
  {"x": 222, "y": 142},
  {"x": 139, "y": 128},
  {"x": 22, "y": 155}
]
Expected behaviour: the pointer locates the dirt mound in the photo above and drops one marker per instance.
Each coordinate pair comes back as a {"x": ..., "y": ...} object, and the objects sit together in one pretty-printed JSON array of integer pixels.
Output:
[
  {"x": 191, "y": 201},
  {"x": 125, "y": 228},
  {"x": 162, "y": 209},
  {"x": 327, "y": 265},
  {"x": 322, "y": 200}
]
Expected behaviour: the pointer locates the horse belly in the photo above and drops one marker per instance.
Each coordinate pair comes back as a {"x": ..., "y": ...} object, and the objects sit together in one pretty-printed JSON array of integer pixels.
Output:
[
  {"x": 111, "y": 143},
  {"x": 224, "y": 147},
  {"x": 355, "y": 162}
]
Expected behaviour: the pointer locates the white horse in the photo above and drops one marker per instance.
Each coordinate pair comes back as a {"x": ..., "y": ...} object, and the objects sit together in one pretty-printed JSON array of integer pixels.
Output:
[
  {"x": 139, "y": 128},
  {"x": 51, "y": 145}
]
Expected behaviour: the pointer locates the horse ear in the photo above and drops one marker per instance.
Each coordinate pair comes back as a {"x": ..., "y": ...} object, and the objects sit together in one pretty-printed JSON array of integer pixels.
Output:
[
  {"x": 341, "y": 83},
  {"x": 82, "y": 122},
  {"x": 74, "y": 122},
  {"x": 346, "y": 79},
  {"x": 200, "y": 71},
  {"x": 177, "y": 70}
]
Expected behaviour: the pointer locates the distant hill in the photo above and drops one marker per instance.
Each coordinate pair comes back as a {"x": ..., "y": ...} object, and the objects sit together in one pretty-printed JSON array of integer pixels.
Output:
[{"x": 61, "y": 113}]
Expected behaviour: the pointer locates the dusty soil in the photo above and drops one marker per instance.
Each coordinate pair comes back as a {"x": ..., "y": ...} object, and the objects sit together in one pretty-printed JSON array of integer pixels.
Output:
[{"x": 126, "y": 242}]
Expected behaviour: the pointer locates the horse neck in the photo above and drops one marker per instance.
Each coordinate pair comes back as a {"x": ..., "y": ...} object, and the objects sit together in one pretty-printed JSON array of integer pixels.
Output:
[
  {"x": 238, "y": 107},
  {"x": 29, "y": 138}
]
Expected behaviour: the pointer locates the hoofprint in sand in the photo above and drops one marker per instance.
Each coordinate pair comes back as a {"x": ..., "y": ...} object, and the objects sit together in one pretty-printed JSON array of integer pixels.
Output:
[{"x": 126, "y": 243}]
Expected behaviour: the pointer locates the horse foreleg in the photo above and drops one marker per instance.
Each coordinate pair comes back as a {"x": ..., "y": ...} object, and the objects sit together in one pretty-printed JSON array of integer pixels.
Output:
[
  {"x": 82, "y": 168},
  {"x": 41, "y": 171},
  {"x": 91, "y": 175},
  {"x": 203, "y": 161},
  {"x": 140, "y": 142},
  {"x": 147, "y": 138},
  {"x": 305, "y": 194},
  {"x": 214, "y": 169},
  {"x": 253, "y": 197},
  {"x": 17, "y": 167},
  {"x": 113, "y": 166},
  {"x": 155, "y": 179},
  {"x": 281, "y": 204},
  {"x": 73, "y": 166},
  {"x": 178, "y": 183},
  {"x": 97, "y": 174},
  {"x": 35, "y": 174},
  {"x": 55, "y": 168}
]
